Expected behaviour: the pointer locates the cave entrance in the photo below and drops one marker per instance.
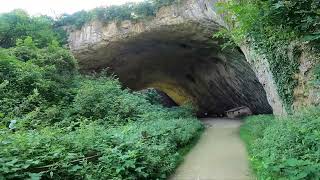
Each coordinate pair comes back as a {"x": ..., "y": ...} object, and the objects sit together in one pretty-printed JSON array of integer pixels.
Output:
[{"x": 187, "y": 65}]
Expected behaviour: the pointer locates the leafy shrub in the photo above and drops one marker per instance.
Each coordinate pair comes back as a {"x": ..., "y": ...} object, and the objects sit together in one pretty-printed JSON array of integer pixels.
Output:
[
  {"x": 286, "y": 147},
  {"x": 139, "y": 150},
  {"x": 251, "y": 18},
  {"x": 31, "y": 77},
  {"x": 254, "y": 127},
  {"x": 103, "y": 99},
  {"x": 19, "y": 84}
]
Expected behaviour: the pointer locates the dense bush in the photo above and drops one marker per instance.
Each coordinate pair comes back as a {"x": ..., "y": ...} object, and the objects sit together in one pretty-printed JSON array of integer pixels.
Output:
[
  {"x": 106, "y": 132},
  {"x": 58, "y": 124},
  {"x": 275, "y": 28},
  {"x": 147, "y": 149},
  {"x": 32, "y": 77},
  {"x": 103, "y": 100},
  {"x": 284, "y": 147}
]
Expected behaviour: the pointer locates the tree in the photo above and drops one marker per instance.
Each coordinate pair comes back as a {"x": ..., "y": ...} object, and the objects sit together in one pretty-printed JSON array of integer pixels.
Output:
[{"x": 18, "y": 25}]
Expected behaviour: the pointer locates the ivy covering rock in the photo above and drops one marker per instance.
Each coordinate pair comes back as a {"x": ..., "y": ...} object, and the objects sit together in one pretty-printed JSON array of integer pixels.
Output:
[{"x": 276, "y": 29}]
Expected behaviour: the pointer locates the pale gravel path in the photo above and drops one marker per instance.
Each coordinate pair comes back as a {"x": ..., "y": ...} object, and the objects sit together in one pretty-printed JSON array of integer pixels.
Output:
[{"x": 218, "y": 155}]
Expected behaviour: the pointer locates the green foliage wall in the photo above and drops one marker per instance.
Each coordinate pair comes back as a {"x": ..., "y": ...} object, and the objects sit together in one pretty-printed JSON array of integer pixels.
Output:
[{"x": 275, "y": 28}]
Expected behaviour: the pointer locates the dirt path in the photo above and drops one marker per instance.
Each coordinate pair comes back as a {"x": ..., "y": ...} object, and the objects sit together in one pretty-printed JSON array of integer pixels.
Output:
[{"x": 218, "y": 155}]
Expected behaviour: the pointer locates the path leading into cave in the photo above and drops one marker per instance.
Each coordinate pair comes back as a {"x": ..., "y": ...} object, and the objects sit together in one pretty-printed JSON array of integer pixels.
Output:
[{"x": 218, "y": 155}]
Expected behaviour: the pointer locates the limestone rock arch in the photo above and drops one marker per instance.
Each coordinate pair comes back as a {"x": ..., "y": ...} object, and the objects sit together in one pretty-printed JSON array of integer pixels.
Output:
[{"x": 175, "y": 52}]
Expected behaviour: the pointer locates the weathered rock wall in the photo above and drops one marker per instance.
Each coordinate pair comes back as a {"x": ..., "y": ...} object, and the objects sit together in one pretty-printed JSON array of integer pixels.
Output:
[
  {"x": 261, "y": 67},
  {"x": 307, "y": 92}
]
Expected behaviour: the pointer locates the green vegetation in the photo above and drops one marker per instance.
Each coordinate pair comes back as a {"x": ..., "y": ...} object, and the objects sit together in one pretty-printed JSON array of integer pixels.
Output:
[
  {"x": 284, "y": 147},
  {"x": 58, "y": 124},
  {"x": 129, "y": 11},
  {"x": 275, "y": 28},
  {"x": 153, "y": 96},
  {"x": 19, "y": 25},
  {"x": 279, "y": 147}
]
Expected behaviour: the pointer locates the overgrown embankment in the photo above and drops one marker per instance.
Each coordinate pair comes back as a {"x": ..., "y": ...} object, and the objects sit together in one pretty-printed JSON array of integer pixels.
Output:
[
  {"x": 284, "y": 147},
  {"x": 58, "y": 124}
]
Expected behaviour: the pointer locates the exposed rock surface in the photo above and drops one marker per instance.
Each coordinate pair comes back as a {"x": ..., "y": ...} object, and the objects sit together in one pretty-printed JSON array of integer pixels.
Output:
[
  {"x": 307, "y": 92},
  {"x": 175, "y": 52},
  {"x": 261, "y": 67}
]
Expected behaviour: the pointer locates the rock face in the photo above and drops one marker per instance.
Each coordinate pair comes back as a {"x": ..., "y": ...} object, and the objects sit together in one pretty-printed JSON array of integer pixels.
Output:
[
  {"x": 175, "y": 53},
  {"x": 307, "y": 92},
  {"x": 261, "y": 67}
]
